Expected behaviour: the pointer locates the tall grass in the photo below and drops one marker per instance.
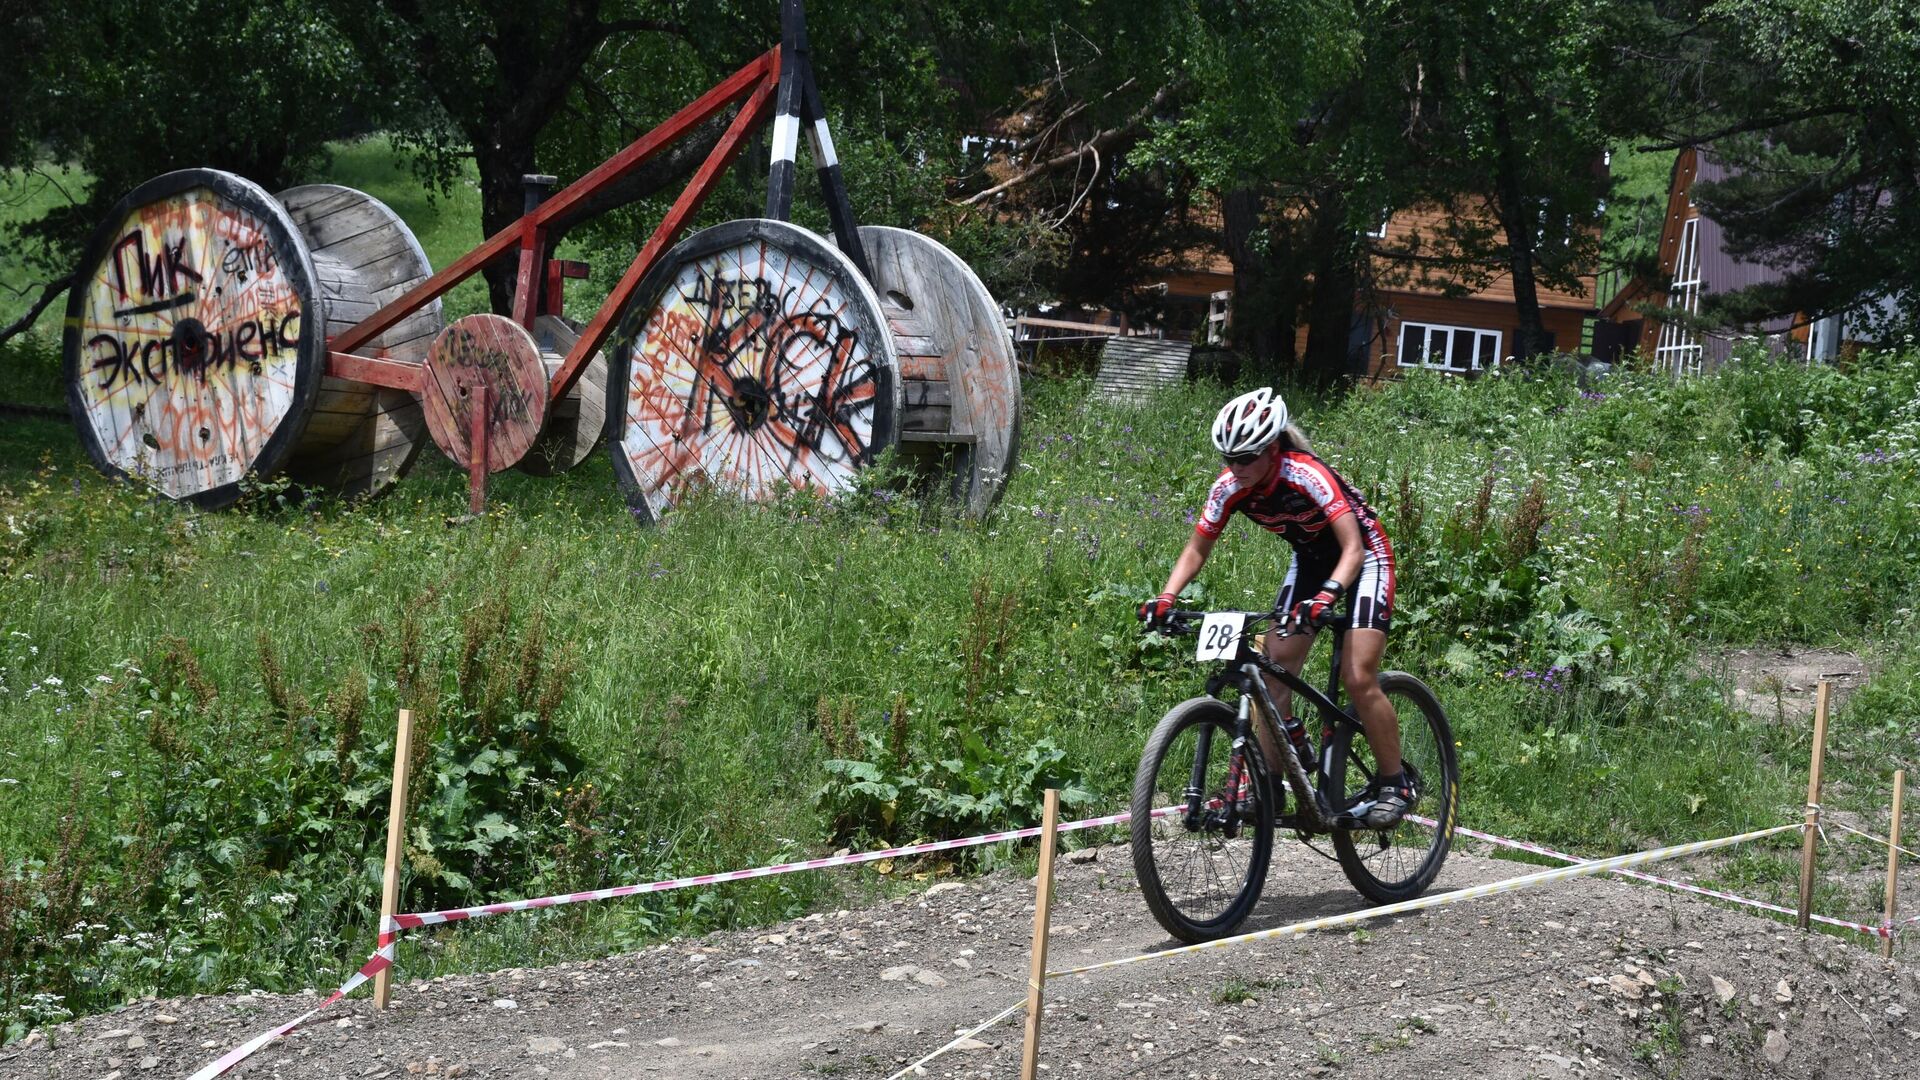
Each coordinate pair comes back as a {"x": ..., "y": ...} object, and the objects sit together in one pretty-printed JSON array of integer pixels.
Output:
[{"x": 196, "y": 709}]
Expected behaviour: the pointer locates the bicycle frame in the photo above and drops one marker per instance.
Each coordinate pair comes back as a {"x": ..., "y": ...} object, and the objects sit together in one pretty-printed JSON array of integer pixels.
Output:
[{"x": 1314, "y": 815}]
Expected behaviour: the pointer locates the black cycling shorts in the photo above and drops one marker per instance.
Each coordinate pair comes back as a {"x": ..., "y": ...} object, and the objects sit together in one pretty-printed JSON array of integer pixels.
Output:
[{"x": 1369, "y": 602}]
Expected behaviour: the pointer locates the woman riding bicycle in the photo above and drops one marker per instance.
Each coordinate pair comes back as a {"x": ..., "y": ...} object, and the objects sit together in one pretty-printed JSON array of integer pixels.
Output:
[{"x": 1273, "y": 477}]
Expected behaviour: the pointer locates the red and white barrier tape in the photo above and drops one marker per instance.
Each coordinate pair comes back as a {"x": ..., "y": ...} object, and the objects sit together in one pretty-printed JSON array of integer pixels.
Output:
[
  {"x": 389, "y": 931},
  {"x": 431, "y": 918},
  {"x": 1521, "y": 845},
  {"x": 380, "y": 961}
]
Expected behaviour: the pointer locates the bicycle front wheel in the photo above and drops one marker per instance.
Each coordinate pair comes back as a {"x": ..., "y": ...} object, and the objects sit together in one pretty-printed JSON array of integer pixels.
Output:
[
  {"x": 1396, "y": 864},
  {"x": 1202, "y": 866}
]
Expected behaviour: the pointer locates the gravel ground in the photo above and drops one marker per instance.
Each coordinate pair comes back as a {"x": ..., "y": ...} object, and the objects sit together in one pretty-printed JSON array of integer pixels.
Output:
[{"x": 1585, "y": 978}]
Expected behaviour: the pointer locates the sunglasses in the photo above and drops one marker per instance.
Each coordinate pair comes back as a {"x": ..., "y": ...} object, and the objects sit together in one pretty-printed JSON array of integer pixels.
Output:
[{"x": 1242, "y": 459}]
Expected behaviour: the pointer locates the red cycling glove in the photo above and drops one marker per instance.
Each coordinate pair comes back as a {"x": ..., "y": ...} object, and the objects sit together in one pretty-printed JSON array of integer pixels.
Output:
[
  {"x": 1155, "y": 611},
  {"x": 1315, "y": 611}
]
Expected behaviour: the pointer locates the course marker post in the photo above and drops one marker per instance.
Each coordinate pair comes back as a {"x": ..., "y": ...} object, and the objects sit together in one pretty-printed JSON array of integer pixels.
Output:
[
  {"x": 1812, "y": 836},
  {"x": 1042, "y": 905},
  {"x": 1893, "y": 859},
  {"x": 396, "y": 845}
]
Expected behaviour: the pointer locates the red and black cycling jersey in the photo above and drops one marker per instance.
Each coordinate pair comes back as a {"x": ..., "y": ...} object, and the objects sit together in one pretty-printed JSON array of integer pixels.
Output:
[{"x": 1300, "y": 500}]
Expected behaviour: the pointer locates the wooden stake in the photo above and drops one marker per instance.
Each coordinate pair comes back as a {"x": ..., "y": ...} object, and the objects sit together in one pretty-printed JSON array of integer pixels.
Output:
[
  {"x": 1042, "y": 906},
  {"x": 1813, "y": 802},
  {"x": 1893, "y": 859},
  {"x": 396, "y": 844}
]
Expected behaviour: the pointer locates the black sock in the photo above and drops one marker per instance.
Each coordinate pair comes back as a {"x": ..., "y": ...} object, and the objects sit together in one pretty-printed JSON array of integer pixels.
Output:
[{"x": 1398, "y": 779}]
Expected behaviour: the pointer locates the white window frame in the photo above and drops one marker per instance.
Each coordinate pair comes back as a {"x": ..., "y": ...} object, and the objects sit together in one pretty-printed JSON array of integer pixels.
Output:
[
  {"x": 985, "y": 145},
  {"x": 1456, "y": 335},
  {"x": 1219, "y": 311},
  {"x": 1679, "y": 351}
]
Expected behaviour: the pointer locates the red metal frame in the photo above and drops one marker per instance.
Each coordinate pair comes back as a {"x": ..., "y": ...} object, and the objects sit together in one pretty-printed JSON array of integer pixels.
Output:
[{"x": 756, "y": 82}]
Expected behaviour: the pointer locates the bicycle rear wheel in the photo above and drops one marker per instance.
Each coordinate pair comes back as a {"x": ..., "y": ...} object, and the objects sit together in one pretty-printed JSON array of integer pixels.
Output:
[
  {"x": 1201, "y": 867},
  {"x": 1397, "y": 864}
]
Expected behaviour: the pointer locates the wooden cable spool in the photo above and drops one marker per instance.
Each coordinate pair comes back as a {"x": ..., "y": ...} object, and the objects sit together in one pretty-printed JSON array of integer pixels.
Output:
[
  {"x": 193, "y": 349},
  {"x": 195, "y": 344},
  {"x": 494, "y": 352},
  {"x": 754, "y": 357},
  {"x": 361, "y": 438},
  {"x": 960, "y": 381},
  {"x": 578, "y": 420}
]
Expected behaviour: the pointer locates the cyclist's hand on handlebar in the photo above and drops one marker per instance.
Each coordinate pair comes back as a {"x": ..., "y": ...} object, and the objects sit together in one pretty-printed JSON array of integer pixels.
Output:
[
  {"x": 1157, "y": 612},
  {"x": 1312, "y": 613}
]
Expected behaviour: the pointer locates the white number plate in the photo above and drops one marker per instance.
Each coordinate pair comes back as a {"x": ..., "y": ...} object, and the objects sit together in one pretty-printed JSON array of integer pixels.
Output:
[{"x": 1220, "y": 636}]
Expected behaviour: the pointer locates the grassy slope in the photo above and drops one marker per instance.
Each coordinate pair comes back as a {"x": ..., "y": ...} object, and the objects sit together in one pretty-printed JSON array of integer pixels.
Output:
[{"x": 717, "y": 652}]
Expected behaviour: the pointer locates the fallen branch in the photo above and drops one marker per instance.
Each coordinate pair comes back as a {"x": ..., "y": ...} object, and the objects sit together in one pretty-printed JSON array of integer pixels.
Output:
[
  {"x": 48, "y": 292},
  {"x": 1100, "y": 141}
]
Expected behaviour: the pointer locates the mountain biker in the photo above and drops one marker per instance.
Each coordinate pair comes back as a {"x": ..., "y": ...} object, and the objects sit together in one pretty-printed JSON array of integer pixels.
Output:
[{"x": 1339, "y": 550}]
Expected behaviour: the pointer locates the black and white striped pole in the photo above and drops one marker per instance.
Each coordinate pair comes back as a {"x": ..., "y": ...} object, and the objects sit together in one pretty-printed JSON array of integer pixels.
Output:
[
  {"x": 798, "y": 105},
  {"x": 833, "y": 186},
  {"x": 786, "y": 109}
]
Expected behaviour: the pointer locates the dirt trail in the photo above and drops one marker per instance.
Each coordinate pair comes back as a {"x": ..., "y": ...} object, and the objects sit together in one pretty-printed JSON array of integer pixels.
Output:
[{"x": 1586, "y": 978}]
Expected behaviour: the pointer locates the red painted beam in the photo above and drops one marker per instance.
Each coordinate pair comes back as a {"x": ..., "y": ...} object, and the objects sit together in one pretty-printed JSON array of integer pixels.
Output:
[
  {"x": 751, "y": 115},
  {"x": 533, "y": 252},
  {"x": 722, "y": 94},
  {"x": 378, "y": 370},
  {"x": 558, "y": 271},
  {"x": 606, "y": 173}
]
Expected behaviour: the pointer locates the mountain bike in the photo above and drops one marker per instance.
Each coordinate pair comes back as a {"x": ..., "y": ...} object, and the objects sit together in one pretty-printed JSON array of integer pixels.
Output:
[{"x": 1202, "y": 867}]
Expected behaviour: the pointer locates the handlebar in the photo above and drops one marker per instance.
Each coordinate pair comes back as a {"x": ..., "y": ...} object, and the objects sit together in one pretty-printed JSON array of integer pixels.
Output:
[{"x": 1182, "y": 621}]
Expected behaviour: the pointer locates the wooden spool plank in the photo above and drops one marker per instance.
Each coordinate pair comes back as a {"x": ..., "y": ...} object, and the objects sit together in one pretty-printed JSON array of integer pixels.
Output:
[
  {"x": 312, "y": 205},
  {"x": 578, "y": 420},
  {"x": 949, "y": 329},
  {"x": 379, "y": 451},
  {"x": 927, "y": 392},
  {"x": 498, "y": 353},
  {"x": 365, "y": 256},
  {"x": 923, "y": 368},
  {"x": 754, "y": 358}
]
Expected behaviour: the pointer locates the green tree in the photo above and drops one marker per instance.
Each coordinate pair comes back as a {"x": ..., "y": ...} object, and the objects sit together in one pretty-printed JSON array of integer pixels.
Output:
[
  {"x": 1812, "y": 104},
  {"x": 1501, "y": 106},
  {"x": 128, "y": 89},
  {"x": 1260, "y": 125}
]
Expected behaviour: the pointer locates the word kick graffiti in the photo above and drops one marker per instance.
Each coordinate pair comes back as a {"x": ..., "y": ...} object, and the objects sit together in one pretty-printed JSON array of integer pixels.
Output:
[
  {"x": 750, "y": 374},
  {"x": 190, "y": 337}
]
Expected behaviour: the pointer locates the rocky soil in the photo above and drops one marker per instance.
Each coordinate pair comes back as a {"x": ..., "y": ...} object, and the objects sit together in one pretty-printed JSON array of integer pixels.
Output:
[{"x": 1595, "y": 978}]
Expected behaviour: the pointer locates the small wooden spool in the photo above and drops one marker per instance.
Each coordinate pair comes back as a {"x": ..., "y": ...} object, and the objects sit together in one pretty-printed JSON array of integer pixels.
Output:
[
  {"x": 960, "y": 382},
  {"x": 576, "y": 422},
  {"x": 196, "y": 348},
  {"x": 362, "y": 438},
  {"x": 498, "y": 353},
  {"x": 754, "y": 358}
]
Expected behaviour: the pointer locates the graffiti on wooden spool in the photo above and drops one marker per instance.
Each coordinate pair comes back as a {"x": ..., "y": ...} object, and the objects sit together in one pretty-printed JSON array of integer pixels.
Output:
[
  {"x": 190, "y": 357},
  {"x": 494, "y": 352},
  {"x": 753, "y": 359}
]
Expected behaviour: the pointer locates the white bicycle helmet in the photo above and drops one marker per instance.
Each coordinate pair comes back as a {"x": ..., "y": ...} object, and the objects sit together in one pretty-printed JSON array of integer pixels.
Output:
[{"x": 1249, "y": 423}]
